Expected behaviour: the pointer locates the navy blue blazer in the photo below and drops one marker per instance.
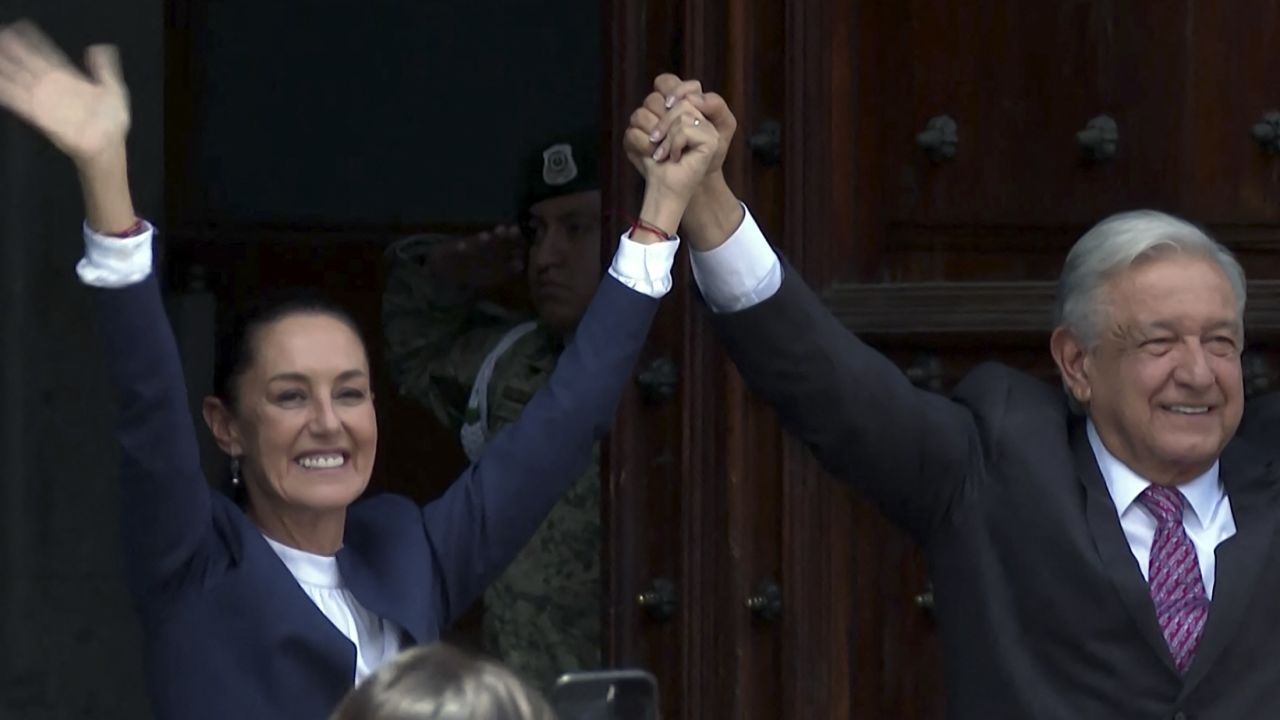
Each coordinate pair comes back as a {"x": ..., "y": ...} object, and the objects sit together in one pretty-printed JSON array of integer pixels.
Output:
[{"x": 228, "y": 631}]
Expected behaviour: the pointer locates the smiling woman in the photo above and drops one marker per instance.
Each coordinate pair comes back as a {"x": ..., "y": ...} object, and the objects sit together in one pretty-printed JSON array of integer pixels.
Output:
[
  {"x": 275, "y": 609},
  {"x": 293, "y": 408}
]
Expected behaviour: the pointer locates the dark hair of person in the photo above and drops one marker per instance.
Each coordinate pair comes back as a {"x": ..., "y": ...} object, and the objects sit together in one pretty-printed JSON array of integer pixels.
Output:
[
  {"x": 237, "y": 336},
  {"x": 441, "y": 682}
]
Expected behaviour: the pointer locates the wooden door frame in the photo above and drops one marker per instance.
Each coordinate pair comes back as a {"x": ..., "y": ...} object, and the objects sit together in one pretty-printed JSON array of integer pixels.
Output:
[{"x": 700, "y": 461}]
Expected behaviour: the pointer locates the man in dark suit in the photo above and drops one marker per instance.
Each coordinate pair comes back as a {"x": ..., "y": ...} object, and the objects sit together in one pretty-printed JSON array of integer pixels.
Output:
[{"x": 1110, "y": 552}]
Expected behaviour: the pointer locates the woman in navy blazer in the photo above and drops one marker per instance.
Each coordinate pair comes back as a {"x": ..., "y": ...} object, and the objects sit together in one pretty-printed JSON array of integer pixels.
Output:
[{"x": 275, "y": 609}]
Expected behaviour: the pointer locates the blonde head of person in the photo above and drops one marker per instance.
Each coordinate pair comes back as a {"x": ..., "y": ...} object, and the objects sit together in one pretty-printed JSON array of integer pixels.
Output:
[{"x": 441, "y": 682}]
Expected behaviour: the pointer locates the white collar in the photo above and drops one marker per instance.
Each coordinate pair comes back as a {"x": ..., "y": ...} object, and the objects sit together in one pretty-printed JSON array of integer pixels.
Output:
[
  {"x": 1203, "y": 493},
  {"x": 308, "y": 568}
]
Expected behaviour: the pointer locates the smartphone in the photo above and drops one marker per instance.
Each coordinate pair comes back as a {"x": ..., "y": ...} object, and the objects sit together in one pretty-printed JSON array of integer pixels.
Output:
[{"x": 606, "y": 695}]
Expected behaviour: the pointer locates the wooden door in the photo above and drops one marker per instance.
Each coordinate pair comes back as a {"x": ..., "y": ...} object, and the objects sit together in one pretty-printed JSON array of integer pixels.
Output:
[
  {"x": 695, "y": 503},
  {"x": 940, "y": 259}
]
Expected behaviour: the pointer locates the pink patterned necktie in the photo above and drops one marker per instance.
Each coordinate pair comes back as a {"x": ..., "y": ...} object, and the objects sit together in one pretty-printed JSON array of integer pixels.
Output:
[{"x": 1177, "y": 588}]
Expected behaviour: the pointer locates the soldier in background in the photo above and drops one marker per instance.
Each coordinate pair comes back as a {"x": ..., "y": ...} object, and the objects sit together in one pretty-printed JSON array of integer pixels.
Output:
[{"x": 476, "y": 363}]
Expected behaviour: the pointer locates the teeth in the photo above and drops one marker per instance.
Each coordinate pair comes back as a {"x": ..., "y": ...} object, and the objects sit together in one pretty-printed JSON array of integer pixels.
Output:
[
  {"x": 321, "y": 462},
  {"x": 1189, "y": 409}
]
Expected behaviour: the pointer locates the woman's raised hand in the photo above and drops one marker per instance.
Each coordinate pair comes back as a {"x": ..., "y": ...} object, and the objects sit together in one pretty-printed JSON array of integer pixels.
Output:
[{"x": 85, "y": 115}]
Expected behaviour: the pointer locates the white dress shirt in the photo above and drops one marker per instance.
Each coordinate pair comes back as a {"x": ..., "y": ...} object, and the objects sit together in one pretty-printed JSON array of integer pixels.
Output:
[
  {"x": 741, "y": 272},
  {"x": 115, "y": 262},
  {"x": 1207, "y": 516}
]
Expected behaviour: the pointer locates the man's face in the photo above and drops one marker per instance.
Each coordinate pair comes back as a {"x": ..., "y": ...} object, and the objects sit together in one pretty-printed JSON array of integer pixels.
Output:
[
  {"x": 564, "y": 257},
  {"x": 1163, "y": 387}
]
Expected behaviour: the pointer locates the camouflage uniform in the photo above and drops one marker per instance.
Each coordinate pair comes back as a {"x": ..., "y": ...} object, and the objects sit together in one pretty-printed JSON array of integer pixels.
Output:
[{"x": 542, "y": 616}]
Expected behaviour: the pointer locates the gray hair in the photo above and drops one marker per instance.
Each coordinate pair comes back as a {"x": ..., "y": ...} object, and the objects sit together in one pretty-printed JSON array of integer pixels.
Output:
[
  {"x": 1113, "y": 246},
  {"x": 441, "y": 682}
]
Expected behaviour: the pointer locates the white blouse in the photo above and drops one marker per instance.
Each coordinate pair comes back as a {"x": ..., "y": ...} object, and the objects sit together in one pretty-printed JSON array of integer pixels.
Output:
[{"x": 376, "y": 640}]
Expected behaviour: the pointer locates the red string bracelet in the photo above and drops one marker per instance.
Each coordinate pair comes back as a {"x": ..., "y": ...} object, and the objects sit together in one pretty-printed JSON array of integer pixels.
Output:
[
  {"x": 134, "y": 230},
  {"x": 638, "y": 224}
]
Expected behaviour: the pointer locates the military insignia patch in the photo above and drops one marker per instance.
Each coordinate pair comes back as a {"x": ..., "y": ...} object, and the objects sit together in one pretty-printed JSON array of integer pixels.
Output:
[{"x": 558, "y": 167}]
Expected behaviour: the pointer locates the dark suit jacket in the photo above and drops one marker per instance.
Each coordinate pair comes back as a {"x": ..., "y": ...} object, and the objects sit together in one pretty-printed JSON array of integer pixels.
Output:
[
  {"x": 1043, "y": 610},
  {"x": 228, "y": 632}
]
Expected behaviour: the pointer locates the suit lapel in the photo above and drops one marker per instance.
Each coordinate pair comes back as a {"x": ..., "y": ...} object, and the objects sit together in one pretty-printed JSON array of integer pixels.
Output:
[
  {"x": 363, "y": 584},
  {"x": 1247, "y": 477},
  {"x": 1113, "y": 547},
  {"x": 330, "y": 656}
]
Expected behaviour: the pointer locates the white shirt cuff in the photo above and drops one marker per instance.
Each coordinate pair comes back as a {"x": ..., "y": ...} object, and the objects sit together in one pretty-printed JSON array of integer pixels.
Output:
[
  {"x": 115, "y": 262},
  {"x": 645, "y": 268},
  {"x": 741, "y": 272}
]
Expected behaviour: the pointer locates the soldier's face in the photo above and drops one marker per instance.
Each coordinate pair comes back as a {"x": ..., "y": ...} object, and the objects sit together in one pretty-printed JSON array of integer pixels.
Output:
[
  {"x": 564, "y": 257},
  {"x": 305, "y": 421}
]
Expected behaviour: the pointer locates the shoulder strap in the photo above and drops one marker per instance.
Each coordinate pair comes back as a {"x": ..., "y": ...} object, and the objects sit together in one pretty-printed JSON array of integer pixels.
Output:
[{"x": 475, "y": 431}]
